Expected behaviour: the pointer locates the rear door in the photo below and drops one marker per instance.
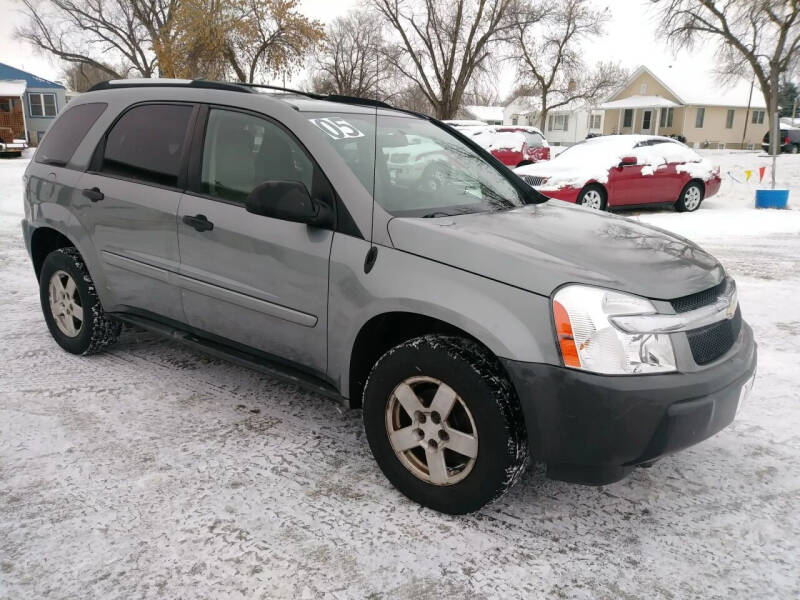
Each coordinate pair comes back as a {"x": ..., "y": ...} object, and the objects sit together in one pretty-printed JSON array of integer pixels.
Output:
[
  {"x": 254, "y": 280},
  {"x": 132, "y": 191}
]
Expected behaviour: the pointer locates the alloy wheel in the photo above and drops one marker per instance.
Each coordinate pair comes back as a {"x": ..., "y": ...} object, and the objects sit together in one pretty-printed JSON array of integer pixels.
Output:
[
  {"x": 691, "y": 200},
  {"x": 431, "y": 430},
  {"x": 592, "y": 199},
  {"x": 65, "y": 304}
]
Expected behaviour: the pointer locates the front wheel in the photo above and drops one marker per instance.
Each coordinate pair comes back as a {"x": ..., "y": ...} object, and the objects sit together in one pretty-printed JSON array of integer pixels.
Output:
[
  {"x": 690, "y": 198},
  {"x": 592, "y": 196},
  {"x": 444, "y": 424}
]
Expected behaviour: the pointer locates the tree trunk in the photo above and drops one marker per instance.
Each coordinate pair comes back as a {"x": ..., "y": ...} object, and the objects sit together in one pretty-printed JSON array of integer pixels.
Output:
[{"x": 774, "y": 126}]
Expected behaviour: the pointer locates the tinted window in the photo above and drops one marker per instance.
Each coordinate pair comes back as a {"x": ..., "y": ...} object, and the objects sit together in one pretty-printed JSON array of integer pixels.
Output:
[
  {"x": 67, "y": 133},
  {"x": 147, "y": 142},
  {"x": 242, "y": 151}
]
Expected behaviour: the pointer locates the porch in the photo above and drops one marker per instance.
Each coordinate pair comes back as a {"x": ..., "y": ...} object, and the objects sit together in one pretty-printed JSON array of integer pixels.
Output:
[
  {"x": 12, "y": 113},
  {"x": 648, "y": 115}
]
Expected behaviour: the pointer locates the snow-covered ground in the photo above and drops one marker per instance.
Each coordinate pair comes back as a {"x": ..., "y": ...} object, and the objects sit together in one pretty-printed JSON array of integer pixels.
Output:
[{"x": 153, "y": 471}]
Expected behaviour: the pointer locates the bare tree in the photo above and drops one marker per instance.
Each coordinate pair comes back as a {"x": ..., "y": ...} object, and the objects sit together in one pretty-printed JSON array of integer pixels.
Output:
[
  {"x": 443, "y": 43},
  {"x": 96, "y": 33},
  {"x": 350, "y": 60},
  {"x": 79, "y": 77},
  {"x": 550, "y": 61},
  {"x": 762, "y": 34}
]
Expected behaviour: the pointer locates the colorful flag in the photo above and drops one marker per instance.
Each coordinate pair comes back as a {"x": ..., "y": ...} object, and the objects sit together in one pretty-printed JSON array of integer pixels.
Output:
[
  {"x": 761, "y": 171},
  {"x": 748, "y": 174}
]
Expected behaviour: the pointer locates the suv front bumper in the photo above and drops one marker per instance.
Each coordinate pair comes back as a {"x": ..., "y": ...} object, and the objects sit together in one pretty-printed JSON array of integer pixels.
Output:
[{"x": 594, "y": 429}]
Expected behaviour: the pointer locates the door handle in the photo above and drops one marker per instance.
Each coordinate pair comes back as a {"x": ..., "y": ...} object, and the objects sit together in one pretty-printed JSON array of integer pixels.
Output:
[
  {"x": 94, "y": 194},
  {"x": 199, "y": 222}
]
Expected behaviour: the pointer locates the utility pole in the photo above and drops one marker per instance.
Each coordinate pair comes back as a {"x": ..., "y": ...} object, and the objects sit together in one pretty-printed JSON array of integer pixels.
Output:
[{"x": 747, "y": 114}]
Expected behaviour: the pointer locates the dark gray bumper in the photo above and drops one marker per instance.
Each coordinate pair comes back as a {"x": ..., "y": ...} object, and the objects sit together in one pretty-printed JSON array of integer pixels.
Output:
[{"x": 594, "y": 429}]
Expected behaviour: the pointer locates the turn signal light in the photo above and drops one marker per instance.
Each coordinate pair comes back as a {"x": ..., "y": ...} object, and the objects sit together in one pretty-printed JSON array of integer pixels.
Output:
[{"x": 566, "y": 340}]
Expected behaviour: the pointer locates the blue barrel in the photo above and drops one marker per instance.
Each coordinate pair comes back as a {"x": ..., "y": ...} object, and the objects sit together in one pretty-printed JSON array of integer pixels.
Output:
[{"x": 772, "y": 198}]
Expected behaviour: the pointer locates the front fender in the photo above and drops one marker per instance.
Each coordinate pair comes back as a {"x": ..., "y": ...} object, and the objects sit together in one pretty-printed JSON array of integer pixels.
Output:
[{"x": 511, "y": 322}]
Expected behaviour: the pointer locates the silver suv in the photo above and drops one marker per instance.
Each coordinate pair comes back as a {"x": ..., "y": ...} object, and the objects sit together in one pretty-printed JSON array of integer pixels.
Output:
[{"x": 476, "y": 323}]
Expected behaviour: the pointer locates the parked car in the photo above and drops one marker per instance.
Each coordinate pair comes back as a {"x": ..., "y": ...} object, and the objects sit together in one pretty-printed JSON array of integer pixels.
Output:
[
  {"x": 416, "y": 161},
  {"x": 514, "y": 146},
  {"x": 475, "y": 323},
  {"x": 789, "y": 138},
  {"x": 625, "y": 171},
  {"x": 10, "y": 146}
]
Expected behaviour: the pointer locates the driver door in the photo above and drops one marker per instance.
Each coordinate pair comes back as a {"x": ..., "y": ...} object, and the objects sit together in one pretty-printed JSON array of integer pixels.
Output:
[{"x": 250, "y": 279}]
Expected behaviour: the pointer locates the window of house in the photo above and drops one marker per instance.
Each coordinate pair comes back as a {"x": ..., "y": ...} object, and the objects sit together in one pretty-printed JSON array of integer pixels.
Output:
[
  {"x": 729, "y": 119},
  {"x": 758, "y": 117},
  {"x": 6, "y": 104},
  {"x": 595, "y": 121},
  {"x": 627, "y": 119},
  {"x": 667, "y": 115},
  {"x": 66, "y": 134},
  {"x": 146, "y": 143},
  {"x": 643, "y": 89},
  {"x": 42, "y": 105},
  {"x": 242, "y": 151},
  {"x": 514, "y": 120},
  {"x": 559, "y": 122},
  {"x": 700, "y": 117},
  {"x": 646, "y": 118}
]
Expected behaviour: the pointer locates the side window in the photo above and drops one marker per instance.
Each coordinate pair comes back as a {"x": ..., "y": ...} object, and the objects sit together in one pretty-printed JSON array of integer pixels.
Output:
[
  {"x": 66, "y": 134},
  {"x": 242, "y": 151},
  {"x": 147, "y": 142}
]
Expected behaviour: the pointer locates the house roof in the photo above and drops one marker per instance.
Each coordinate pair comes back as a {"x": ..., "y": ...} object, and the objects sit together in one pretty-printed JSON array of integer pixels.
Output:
[
  {"x": 12, "y": 88},
  {"x": 9, "y": 72},
  {"x": 681, "y": 82},
  {"x": 486, "y": 113}
]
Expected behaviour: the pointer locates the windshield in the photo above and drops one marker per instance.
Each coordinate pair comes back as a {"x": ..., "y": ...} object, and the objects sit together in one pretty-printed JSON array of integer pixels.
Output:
[{"x": 414, "y": 168}]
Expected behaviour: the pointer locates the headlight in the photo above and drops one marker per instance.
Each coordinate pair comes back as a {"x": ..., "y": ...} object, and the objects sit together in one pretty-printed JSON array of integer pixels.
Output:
[{"x": 589, "y": 340}]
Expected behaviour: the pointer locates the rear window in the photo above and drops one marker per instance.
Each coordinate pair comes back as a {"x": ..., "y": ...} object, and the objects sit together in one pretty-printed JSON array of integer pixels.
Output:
[
  {"x": 146, "y": 143},
  {"x": 67, "y": 133}
]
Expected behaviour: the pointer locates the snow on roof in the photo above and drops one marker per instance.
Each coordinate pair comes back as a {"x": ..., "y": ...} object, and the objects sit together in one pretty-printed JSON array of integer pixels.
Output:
[
  {"x": 13, "y": 87},
  {"x": 486, "y": 113},
  {"x": 639, "y": 102},
  {"x": 682, "y": 80}
]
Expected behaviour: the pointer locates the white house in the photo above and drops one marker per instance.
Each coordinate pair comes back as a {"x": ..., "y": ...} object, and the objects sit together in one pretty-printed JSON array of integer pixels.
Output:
[{"x": 572, "y": 123}]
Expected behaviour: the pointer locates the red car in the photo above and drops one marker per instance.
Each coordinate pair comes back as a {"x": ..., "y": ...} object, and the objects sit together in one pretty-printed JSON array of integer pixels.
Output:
[
  {"x": 514, "y": 146},
  {"x": 618, "y": 171}
]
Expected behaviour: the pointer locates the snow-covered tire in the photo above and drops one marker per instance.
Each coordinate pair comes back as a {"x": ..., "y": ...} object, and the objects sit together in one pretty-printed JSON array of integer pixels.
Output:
[
  {"x": 95, "y": 330},
  {"x": 690, "y": 198},
  {"x": 484, "y": 407}
]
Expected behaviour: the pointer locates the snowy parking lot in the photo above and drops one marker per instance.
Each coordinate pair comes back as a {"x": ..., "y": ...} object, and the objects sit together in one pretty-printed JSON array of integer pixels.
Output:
[{"x": 154, "y": 471}]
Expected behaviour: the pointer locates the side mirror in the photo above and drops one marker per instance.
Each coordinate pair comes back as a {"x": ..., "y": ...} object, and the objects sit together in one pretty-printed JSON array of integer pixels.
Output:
[
  {"x": 288, "y": 201},
  {"x": 628, "y": 161}
]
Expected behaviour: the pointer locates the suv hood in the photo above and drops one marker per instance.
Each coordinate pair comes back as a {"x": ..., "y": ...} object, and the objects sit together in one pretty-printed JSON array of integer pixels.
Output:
[{"x": 542, "y": 246}]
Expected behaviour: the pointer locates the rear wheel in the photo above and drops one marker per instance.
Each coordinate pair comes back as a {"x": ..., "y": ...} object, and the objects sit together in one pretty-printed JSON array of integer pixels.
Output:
[
  {"x": 592, "y": 196},
  {"x": 444, "y": 423},
  {"x": 690, "y": 198},
  {"x": 71, "y": 307}
]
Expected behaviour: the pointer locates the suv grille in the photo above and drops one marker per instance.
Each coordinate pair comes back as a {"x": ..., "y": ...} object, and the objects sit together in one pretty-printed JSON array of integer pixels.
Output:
[
  {"x": 533, "y": 180},
  {"x": 712, "y": 341},
  {"x": 698, "y": 300}
]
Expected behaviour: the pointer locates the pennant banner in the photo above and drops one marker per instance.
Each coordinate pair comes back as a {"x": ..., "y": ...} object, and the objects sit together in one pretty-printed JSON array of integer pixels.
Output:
[
  {"x": 748, "y": 174},
  {"x": 761, "y": 171}
]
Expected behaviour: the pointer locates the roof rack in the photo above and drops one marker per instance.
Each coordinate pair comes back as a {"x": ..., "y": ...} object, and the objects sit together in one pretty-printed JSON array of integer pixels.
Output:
[
  {"x": 233, "y": 87},
  {"x": 113, "y": 84}
]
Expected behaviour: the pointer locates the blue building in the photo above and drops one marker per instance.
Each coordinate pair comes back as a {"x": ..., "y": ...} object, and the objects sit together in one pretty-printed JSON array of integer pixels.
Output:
[{"x": 42, "y": 100}]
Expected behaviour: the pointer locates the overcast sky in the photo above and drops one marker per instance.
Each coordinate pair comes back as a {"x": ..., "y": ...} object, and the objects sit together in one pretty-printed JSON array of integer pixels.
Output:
[{"x": 631, "y": 38}]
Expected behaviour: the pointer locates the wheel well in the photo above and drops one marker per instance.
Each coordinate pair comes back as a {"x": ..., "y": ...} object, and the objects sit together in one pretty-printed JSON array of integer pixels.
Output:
[
  {"x": 522, "y": 163},
  {"x": 594, "y": 184},
  {"x": 43, "y": 241},
  {"x": 383, "y": 332}
]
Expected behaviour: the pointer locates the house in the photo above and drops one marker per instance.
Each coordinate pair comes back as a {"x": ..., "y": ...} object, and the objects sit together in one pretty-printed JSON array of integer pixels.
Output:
[
  {"x": 565, "y": 125},
  {"x": 491, "y": 115},
  {"x": 12, "y": 115},
  {"x": 711, "y": 116},
  {"x": 41, "y": 100},
  {"x": 572, "y": 123}
]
